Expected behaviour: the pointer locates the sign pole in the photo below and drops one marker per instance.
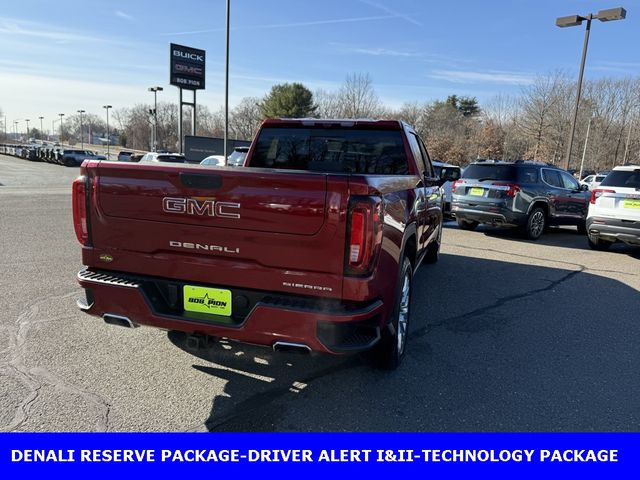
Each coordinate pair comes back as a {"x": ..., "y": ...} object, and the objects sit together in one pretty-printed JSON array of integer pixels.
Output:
[
  {"x": 180, "y": 123},
  {"x": 193, "y": 121}
]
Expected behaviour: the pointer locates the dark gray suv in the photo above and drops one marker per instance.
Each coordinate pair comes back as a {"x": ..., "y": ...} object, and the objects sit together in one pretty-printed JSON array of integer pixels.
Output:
[{"x": 523, "y": 194}]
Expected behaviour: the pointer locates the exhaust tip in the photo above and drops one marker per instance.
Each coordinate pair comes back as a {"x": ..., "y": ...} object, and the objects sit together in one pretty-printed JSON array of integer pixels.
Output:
[
  {"x": 118, "y": 320},
  {"x": 291, "y": 347}
]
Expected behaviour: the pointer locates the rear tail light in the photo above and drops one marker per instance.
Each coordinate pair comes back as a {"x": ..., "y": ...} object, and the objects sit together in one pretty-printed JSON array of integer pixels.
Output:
[
  {"x": 511, "y": 190},
  {"x": 455, "y": 184},
  {"x": 79, "y": 200},
  {"x": 597, "y": 193},
  {"x": 364, "y": 234}
]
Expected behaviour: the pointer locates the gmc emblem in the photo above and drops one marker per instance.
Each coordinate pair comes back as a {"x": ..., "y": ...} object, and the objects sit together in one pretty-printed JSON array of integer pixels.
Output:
[{"x": 204, "y": 208}]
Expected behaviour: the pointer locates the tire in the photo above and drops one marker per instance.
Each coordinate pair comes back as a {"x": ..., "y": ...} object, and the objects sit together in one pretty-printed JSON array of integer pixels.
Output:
[
  {"x": 467, "y": 224},
  {"x": 582, "y": 228},
  {"x": 598, "y": 244},
  {"x": 390, "y": 350},
  {"x": 535, "y": 224}
]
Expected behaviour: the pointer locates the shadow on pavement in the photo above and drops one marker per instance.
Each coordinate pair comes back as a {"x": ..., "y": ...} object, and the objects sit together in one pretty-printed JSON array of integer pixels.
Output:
[
  {"x": 494, "y": 346},
  {"x": 566, "y": 237}
]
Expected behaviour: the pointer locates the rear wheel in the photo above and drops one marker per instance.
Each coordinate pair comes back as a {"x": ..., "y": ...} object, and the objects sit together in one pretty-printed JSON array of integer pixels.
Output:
[
  {"x": 467, "y": 224},
  {"x": 535, "y": 224},
  {"x": 599, "y": 244},
  {"x": 389, "y": 351}
]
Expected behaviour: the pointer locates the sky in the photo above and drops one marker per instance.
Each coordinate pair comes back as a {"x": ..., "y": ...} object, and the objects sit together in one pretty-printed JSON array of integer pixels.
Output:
[{"x": 58, "y": 57}]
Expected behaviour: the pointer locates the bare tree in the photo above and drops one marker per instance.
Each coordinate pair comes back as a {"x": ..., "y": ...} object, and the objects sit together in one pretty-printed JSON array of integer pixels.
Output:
[{"x": 357, "y": 98}]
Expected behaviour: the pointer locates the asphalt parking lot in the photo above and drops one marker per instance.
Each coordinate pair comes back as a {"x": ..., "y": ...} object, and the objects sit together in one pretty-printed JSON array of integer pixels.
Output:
[{"x": 506, "y": 334}]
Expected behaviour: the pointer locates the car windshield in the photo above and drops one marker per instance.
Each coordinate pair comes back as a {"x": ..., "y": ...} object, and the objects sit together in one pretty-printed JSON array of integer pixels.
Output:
[
  {"x": 331, "y": 150},
  {"x": 623, "y": 178}
]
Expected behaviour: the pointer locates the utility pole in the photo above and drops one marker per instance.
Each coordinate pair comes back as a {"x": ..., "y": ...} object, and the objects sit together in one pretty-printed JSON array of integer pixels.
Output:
[
  {"x": 81, "y": 137},
  {"x": 61, "y": 115},
  {"x": 154, "y": 139},
  {"x": 107, "y": 107},
  {"x": 41, "y": 128}
]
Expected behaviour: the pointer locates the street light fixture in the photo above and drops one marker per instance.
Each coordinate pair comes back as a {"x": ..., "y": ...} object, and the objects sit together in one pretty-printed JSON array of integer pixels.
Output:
[
  {"x": 107, "y": 107},
  {"x": 607, "y": 15},
  {"x": 154, "y": 142},
  {"x": 81, "y": 137},
  {"x": 61, "y": 115},
  {"x": 41, "y": 129}
]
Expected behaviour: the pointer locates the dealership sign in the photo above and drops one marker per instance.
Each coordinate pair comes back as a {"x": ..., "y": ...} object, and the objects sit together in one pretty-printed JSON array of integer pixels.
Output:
[{"x": 187, "y": 67}]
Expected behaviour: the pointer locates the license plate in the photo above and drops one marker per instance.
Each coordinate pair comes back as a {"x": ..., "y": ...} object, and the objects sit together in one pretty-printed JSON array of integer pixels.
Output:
[
  {"x": 207, "y": 300},
  {"x": 631, "y": 203},
  {"x": 476, "y": 191}
]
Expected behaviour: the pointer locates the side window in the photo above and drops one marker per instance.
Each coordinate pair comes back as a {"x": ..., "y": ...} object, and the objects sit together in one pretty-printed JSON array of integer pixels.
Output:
[
  {"x": 589, "y": 179},
  {"x": 569, "y": 182},
  {"x": 415, "y": 149},
  {"x": 552, "y": 177},
  {"x": 427, "y": 161}
]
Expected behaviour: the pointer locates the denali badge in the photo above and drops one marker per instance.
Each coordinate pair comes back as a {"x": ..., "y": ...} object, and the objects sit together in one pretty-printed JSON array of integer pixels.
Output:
[
  {"x": 191, "y": 206},
  {"x": 203, "y": 246}
]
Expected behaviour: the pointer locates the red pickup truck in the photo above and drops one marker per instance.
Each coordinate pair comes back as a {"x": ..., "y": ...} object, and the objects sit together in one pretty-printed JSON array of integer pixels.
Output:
[{"x": 312, "y": 245}]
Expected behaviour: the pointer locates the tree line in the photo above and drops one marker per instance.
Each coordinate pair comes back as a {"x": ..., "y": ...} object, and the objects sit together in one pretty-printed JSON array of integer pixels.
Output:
[{"x": 531, "y": 125}]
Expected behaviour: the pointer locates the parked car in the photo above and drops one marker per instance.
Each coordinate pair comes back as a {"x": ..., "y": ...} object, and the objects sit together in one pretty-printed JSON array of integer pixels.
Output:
[
  {"x": 213, "y": 160},
  {"x": 522, "y": 194},
  {"x": 614, "y": 209},
  {"x": 163, "y": 157},
  {"x": 236, "y": 159},
  {"x": 124, "y": 156},
  {"x": 446, "y": 187},
  {"x": 592, "y": 181},
  {"x": 314, "y": 249},
  {"x": 136, "y": 157},
  {"x": 74, "y": 158}
]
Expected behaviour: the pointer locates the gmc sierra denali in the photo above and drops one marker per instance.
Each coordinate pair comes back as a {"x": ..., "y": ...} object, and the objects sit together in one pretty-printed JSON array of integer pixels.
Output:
[{"x": 312, "y": 245}]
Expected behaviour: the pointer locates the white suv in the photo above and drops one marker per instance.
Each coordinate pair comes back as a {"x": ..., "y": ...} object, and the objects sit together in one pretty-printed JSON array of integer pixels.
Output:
[{"x": 614, "y": 210}]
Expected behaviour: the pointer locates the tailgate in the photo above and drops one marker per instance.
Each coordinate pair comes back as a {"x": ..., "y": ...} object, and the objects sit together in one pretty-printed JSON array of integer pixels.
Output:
[{"x": 254, "y": 228}]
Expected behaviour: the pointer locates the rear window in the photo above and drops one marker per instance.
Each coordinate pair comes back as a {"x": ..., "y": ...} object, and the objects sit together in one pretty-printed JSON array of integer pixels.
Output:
[
  {"x": 477, "y": 171},
  {"x": 331, "y": 150},
  {"x": 622, "y": 178},
  {"x": 504, "y": 173},
  {"x": 170, "y": 158}
]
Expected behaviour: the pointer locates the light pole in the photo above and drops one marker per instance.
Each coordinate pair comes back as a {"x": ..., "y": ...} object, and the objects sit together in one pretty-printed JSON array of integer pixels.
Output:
[
  {"x": 107, "y": 107},
  {"x": 61, "y": 115},
  {"x": 81, "y": 137},
  {"x": 27, "y": 120},
  {"x": 226, "y": 87},
  {"x": 154, "y": 143},
  {"x": 15, "y": 129},
  {"x": 572, "y": 21},
  {"x": 41, "y": 128}
]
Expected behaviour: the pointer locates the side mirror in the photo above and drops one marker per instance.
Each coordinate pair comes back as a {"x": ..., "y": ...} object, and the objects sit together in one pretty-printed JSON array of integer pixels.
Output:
[{"x": 584, "y": 187}]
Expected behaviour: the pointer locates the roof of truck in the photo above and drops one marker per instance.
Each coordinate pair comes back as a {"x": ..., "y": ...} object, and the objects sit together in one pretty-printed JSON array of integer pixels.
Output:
[{"x": 334, "y": 122}]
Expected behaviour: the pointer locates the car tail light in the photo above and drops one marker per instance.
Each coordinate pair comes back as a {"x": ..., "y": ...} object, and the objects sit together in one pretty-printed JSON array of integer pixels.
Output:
[
  {"x": 455, "y": 184},
  {"x": 511, "y": 190},
  {"x": 364, "y": 234},
  {"x": 597, "y": 193},
  {"x": 79, "y": 200}
]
